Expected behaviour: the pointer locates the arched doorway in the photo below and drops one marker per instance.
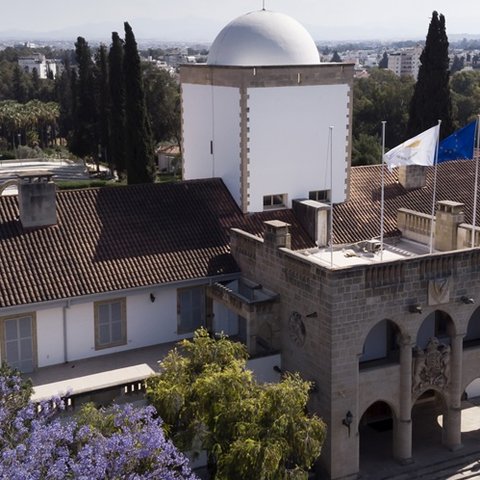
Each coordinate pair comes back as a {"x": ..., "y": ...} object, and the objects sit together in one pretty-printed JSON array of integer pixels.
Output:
[
  {"x": 376, "y": 431},
  {"x": 427, "y": 422},
  {"x": 471, "y": 413}
]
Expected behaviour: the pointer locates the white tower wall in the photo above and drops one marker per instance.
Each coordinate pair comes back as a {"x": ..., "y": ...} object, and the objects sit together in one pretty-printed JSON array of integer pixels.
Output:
[
  {"x": 288, "y": 141},
  {"x": 211, "y": 134}
]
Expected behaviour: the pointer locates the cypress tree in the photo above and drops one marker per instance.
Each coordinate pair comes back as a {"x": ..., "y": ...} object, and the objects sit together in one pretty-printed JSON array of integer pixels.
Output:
[
  {"x": 117, "y": 143},
  {"x": 103, "y": 102},
  {"x": 383, "y": 63},
  {"x": 19, "y": 85},
  {"x": 84, "y": 138},
  {"x": 139, "y": 137},
  {"x": 431, "y": 99}
]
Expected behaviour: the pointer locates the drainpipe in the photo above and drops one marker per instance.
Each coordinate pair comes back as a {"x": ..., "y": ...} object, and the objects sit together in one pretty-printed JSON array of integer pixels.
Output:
[{"x": 65, "y": 347}]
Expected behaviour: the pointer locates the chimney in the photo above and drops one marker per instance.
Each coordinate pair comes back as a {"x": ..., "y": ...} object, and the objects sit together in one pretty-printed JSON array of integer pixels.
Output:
[
  {"x": 412, "y": 177},
  {"x": 449, "y": 216},
  {"x": 36, "y": 199},
  {"x": 277, "y": 234},
  {"x": 314, "y": 217}
]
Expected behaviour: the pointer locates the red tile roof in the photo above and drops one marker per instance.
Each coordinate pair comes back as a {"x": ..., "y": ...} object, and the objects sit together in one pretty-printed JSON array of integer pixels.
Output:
[
  {"x": 117, "y": 238},
  {"x": 359, "y": 218},
  {"x": 120, "y": 238}
]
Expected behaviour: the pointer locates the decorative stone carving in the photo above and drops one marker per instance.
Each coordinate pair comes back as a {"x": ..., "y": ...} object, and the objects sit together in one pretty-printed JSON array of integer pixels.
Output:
[
  {"x": 431, "y": 366},
  {"x": 296, "y": 329},
  {"x": 439, "y": 291}
]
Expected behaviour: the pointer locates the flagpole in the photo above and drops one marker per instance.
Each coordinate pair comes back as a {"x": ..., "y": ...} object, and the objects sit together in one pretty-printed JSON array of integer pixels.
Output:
[
  {"x": 434, "y": 187},
  {"x": 382, "y": 202},
  {"x": 331, "y": 193},
  {"x": 476, "y": 181}
]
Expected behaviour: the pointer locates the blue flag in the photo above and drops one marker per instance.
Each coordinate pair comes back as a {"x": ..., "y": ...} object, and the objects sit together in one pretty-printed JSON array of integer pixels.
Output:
[{"x": 459, "y": 145}]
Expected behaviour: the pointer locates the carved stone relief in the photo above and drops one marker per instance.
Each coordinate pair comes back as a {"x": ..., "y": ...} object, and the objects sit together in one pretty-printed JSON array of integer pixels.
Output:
[
  {"x": 296, "y": 329},
  {"x": 431, "y": 366},
  {"x": 439, "y": 291}
]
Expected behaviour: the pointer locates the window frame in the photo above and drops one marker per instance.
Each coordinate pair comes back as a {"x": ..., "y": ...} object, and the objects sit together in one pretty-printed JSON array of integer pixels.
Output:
[
  {"x": 3, "y": 319},
  {"x": 123, "y": 323},
  {"x": 319, "y": 195},
  {"x": 271, "y": 204}
]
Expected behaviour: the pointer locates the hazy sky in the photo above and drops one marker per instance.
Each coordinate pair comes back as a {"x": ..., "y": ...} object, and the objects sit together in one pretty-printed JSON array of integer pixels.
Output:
[{"x": 334, "y": 18}]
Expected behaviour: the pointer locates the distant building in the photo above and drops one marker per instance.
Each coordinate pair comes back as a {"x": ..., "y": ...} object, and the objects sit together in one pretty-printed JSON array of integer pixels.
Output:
[
  {"x": 45, "y": 67},
  {"x": 405, "y": 62}
]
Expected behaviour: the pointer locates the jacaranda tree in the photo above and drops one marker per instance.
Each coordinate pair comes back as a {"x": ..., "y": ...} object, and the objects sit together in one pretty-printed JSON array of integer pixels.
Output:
[{"x": 36, "y": 444}]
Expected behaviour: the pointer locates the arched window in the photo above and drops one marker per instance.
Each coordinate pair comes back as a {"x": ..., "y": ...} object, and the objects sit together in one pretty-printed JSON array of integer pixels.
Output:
[
  {"x": 472, "y": 338},
  {"x": 438, "y": 324},
  {"x": 381, "y": 345}
]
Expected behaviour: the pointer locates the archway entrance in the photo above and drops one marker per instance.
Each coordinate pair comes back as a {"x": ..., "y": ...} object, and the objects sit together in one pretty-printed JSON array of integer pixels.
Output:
[
  {"x": 376, "y": 437},
  {"x": 471, "y": 414},
  {"x": 427, "y": 419}
]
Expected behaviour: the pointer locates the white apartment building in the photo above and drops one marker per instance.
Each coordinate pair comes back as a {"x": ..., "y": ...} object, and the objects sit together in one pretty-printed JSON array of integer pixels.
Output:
[{"x": 405, "y": 62}]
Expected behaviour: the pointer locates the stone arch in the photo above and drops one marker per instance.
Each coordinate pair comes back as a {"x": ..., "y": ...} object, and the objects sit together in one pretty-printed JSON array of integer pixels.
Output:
[
  {"x": 427, "y": 410},
  {"x": 381, "y": 344},
  {"x": 472, "y": 337},
  {"x": 438, "y": 324},
  {"x": 377, "y": 430},
  {"x": 472, "y": 389}
]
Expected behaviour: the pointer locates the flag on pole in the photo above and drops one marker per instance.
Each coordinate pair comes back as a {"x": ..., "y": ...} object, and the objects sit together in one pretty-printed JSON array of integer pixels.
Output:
[
  {"x": 419, "y": 150},
  {"x": 458, "y": 145}
]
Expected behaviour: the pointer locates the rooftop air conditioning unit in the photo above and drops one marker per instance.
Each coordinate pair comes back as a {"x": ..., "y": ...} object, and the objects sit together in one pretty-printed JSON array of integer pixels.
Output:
[{"x": 372, "y": 246}]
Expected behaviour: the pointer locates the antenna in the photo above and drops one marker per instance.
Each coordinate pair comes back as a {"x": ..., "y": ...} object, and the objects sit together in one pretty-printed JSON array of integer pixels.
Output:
[{"x": 263, "y": 3}]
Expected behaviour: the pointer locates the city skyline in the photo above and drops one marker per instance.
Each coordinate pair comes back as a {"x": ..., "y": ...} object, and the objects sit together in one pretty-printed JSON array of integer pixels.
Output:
[{"x": 199, "y": 20}]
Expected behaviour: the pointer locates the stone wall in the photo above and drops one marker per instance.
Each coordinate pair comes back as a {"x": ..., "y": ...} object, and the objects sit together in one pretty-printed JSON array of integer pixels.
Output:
[{"x": 325, "y": 316}]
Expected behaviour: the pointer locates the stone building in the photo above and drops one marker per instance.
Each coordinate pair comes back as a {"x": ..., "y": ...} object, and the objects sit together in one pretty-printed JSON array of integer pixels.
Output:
[
  {"x": 380, "y": 327},
  {"x": 379, "y": 332}
]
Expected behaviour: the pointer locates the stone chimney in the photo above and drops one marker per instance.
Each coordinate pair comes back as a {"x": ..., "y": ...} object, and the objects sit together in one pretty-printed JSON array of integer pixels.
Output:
[
  {"x": 412, "y": 177},
  {"x": 449, "y": 216},
  {"x": 314, "y": 217},
  {"x": 277, "y": 234},
  {"x": 36, "y": 199}
]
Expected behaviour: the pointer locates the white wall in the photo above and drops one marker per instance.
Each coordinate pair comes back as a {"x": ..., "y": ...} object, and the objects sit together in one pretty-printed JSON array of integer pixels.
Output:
[
  {"x": 49, "y": 337},
  {"x": 197, "y": 131},
  {"x": 288, "y": 141},
  {"x": 212, "y": 114},
  {"x": 147, "y": 324}
]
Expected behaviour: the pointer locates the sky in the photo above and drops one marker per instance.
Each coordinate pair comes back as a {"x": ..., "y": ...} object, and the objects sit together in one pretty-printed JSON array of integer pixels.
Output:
[{"x": 200, "y": 20}]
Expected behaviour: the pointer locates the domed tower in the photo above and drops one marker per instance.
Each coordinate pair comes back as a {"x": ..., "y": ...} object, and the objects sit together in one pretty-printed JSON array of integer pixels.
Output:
[{"x": 258, "y": 113}]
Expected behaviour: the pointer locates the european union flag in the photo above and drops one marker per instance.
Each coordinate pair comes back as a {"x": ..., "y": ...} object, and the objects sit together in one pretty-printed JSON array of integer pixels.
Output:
[{"x": 459, "y": 145}]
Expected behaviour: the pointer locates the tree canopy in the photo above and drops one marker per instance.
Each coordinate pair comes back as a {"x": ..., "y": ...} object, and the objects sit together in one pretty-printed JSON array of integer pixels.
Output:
[
  {"x": 380, "y": 97},
  {"x": 210, "y": 400},
  {"x": 431, "y": 99},
  {"x": 125, "y": 442},
  {"x": 465, "y": 88}
]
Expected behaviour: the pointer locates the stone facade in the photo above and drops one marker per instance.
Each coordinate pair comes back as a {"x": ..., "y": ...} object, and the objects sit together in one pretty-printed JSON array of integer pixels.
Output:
[{"x": 326, "y": 315}]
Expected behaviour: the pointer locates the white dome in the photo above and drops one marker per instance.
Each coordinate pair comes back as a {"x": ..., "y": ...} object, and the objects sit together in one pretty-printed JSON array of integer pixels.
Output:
[{"x": 263, "y": 38}]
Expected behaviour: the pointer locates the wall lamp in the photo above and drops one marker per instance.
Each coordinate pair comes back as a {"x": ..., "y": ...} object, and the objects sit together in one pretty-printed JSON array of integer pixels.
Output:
[
  {"x": 152, "y": 297},
  {"x": 467, "y": 300},
  {"x": 347, "y": 421},
  {"x": 312, "y": 315},
  {"x": 415, "y": 309}
]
